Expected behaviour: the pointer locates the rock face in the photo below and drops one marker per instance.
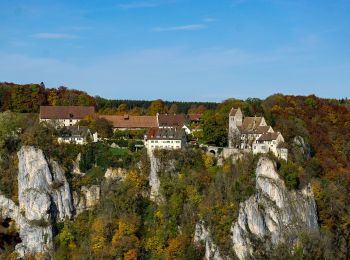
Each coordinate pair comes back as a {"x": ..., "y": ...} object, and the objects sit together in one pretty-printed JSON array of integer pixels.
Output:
[
  {"x": 76, "y": 168},
  {"x": 302, "y": 146},
  {"x": 203, "y": 236},
  {"x": 273, "y": 214},
  {"x": 116, "y": 174},
  {"x": 87, "y": 199},
  {"x": 35, "y": 238},
  {"x": 154, "y": 181},
  {"x": 43, "y": 194},
  {"x": 42, "y": 190}
]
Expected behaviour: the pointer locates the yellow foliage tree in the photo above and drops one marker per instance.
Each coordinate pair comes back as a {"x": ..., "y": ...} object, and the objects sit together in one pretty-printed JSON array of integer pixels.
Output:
[{"x": 208, "y": 160}]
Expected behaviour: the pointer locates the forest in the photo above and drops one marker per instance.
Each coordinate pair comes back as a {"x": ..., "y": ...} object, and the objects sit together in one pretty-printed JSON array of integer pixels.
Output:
[
  {"x": 128, "y": 225},
  {"x": 28, "y": 99}
]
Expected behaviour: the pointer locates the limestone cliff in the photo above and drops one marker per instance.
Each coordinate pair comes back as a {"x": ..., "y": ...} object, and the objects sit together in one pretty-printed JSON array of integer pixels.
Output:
[
  {"x": 87, "y": 198},
  {"x": 203, "y": 236},
  {"x": 273, "y": 214},
  {"x": 154, "y": 181},
  {"x": 116, "y": 174},
  {"x": 44, "y": 197}
]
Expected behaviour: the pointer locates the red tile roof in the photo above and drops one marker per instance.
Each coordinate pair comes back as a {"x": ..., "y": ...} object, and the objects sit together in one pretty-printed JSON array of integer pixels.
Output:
[
  {"x": 195, "y": 117},
  {"x": 128, "y": 121},
  {"x": 172, "y": 120},
  {"x": 173, "y": 133},
  {"x": 66, "y": 112}
]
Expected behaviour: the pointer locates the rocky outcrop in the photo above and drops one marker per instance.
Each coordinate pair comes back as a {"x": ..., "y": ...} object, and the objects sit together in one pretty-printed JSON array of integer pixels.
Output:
[
  {"x": 300, "y": 144},
  {"x": 87, "y": 198},
  {"x": 60, "y": 193},
  {"x": 273, "y": 214},
  {"x": 203, "y": 236},
  {"x": 116, "y": 174},
  {"x": 76, "y": 167},
  {"x": 44, "y": 196},
  {"x": 154, "y": 181},
  {"x": 42, "y": 187},
  {"x": 35, "y": 238}
]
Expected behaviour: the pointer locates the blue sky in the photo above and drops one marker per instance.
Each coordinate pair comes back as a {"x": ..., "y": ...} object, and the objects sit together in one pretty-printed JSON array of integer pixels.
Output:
[{"x": 200, "y": 50}]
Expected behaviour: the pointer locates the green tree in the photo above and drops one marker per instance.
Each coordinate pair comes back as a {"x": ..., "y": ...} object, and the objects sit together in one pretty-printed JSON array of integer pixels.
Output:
[
  {"x": 215, "y": 128},
  {"x": 156, "y": 106}
]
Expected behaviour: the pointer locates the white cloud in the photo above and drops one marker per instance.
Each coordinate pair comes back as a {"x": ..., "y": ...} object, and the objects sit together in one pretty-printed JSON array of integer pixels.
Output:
[
  {"x": 137, "y": 5},
  {"x": 189, "y": 27},
  {"x": 54, "y": 36}
]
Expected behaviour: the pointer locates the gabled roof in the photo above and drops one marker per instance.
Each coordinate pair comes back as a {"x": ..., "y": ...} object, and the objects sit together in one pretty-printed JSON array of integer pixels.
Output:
[
  {"x": 269, "y": 136},
  {"x": 250, "y": 123},
  {"x": 65, "y": 112},
  {"x": 128, "y": 121},
  {"x": 234, "y": 111},
  {"x": 172, "y": 120},
  {"x": 257, "y": 130},
  {"x": 173, "y": 133}
]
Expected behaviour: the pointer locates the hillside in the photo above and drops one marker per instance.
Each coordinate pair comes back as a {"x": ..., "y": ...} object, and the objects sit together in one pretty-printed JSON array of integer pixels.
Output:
[{"x": 198, "y": 193}]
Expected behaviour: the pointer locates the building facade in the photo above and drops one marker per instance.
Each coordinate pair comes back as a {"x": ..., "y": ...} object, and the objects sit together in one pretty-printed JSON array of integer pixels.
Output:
[
  {"x": 77, "y": 135},
  {"x": 165, "y": 138},
  {"x": 62, "y": 116},
  {"x": 253, "y": 133}
]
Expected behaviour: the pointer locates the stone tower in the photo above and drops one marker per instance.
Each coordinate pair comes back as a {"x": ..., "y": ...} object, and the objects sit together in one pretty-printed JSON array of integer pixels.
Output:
[{"x": 235, "y": 121}]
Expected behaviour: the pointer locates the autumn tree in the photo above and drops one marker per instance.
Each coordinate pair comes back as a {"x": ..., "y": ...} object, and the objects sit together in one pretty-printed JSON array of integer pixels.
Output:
[{"x": 156, "y": 106}]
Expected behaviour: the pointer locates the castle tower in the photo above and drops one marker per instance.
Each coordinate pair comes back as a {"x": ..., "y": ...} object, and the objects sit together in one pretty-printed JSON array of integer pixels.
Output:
[{"x": 235, "y": 121}]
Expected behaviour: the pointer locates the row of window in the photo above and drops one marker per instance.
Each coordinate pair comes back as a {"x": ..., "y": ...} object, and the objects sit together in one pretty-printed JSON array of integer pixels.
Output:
[
  {"x": 166, "y": 142},
  {"x": 165, "y": 146}
]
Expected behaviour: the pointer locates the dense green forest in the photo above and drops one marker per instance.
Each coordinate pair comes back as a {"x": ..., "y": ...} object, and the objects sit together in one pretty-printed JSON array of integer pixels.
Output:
[
  {"x": 28, "y": 98},
  {"x": 127, "y": 225}
]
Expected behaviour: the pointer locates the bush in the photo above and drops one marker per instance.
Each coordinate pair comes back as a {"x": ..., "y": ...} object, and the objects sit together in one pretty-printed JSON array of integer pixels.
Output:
[{"x": 290, "y": 173}]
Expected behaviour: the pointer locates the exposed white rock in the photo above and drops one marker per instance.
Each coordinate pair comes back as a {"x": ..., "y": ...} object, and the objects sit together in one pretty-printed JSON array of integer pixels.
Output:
[
  {"x": 273, "y": 213},
  {"x": 203, "y": 236},
  {"x": 154, "y": 181},
  {"x": 60, "y": 193},
  {"x": 76, "y": 168},
  {"x": 41, "y": 189},
  {"x": 116, "y": 173},
  {"x": 304, "y": 148},
  {"x": 35, "y": 238},
  {"x": 87, "y": 199},
  {"x": 35, "y": 204},
  {"x": 44, "y": 195}
]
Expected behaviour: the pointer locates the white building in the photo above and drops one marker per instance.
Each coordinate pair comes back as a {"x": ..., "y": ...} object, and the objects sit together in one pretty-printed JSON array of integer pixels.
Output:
[
  {"x": 254, "y": 134},
  {"x": 77, "y": 135},
  {"x": 173, "y": 121},
  {"x": 65, "y": 115},
  {"x": 270, "y": 142},
  {"x": 165, "y": 138}
]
